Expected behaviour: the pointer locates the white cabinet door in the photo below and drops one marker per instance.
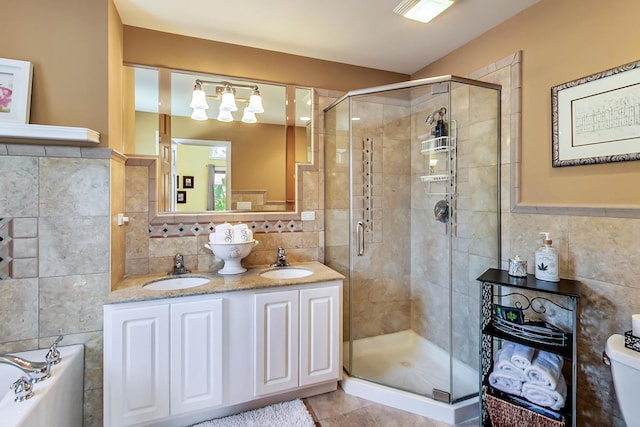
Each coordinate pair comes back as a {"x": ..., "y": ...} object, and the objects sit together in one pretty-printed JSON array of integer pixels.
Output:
[
  {"x": 196, "y": 355},
  {"x": 319, "y": 335},
  {"x": 276, "y": 342},
  {"x": 137, "y": 364}
]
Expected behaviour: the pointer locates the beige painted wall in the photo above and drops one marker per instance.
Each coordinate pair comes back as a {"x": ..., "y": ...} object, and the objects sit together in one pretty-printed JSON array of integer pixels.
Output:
[
  {"x": 193, "y": 161},
  {"x": 561, "y": 41},
  {"x": 155, "y": 48},
  {"x": 257, "y": 151},
  {"x": 67, "y": 44}
]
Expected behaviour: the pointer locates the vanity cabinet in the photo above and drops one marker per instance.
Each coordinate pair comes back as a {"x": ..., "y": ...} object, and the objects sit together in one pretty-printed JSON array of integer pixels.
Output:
[
  {"x": 178, "y": 361},
  {"x": 297, "y": 336},
  {"x": 553, "y": 307},
  {"x": 162, "y": 359},
  {"x": 137, "y": 352}
]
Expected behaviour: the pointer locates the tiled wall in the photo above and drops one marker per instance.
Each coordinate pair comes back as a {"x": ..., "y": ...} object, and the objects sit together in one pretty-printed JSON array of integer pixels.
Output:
[
  {"x": 442, "y": 311},
  {"x": 54, "y": 202}
]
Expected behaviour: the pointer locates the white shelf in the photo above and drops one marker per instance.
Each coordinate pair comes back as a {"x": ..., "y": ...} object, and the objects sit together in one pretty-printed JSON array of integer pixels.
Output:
[
  {"x": 434, "y": 178},
  {"x": 9, "y": 132},
  {"x": 434, "y": 145}
]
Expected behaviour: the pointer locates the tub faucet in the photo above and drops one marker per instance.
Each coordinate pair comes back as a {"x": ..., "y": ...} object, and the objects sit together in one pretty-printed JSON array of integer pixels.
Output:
[
  {"x": 53, "y": 355},
  {"x": 23, "y": 389},
  {"x": 37, "y": 371},
  {"x": 179, "y": 267},
  {"x": 282, "y": 259}
]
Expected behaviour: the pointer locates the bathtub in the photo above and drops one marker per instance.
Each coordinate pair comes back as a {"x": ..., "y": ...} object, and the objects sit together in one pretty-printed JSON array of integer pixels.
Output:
[{"x": 56, "y": 401}]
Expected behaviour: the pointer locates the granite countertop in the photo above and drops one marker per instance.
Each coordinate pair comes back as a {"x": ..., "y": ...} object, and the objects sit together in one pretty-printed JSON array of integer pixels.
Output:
[{"x": 130, "y": 289}]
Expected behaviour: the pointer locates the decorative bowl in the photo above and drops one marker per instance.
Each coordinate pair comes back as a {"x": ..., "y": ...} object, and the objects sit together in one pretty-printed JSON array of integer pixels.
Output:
[{"x": 231, "y": 254}]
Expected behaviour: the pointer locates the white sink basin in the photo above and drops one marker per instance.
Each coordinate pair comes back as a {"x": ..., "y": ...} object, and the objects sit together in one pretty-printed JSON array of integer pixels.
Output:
[
  {"x": 174, "y": 283},
  {"x": 286, "y": 273}
]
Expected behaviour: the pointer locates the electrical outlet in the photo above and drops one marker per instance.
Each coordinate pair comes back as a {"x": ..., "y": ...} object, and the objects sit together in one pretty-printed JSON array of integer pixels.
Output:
[{"x": 308, "y": 216}]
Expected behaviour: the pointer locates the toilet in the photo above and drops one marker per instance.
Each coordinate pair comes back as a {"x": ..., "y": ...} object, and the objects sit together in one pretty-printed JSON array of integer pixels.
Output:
[{"x": 625, "y": 369}]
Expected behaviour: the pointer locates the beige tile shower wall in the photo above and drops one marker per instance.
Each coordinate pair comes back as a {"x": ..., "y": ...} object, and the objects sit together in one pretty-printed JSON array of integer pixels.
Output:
[
  {"x": 477, "y": 235},
  {"x": 380, "y": 285},
  {"x": 438, "y": 313},
  {"x": 57, "y": 199},
  {"x": 430, "y": 265}
]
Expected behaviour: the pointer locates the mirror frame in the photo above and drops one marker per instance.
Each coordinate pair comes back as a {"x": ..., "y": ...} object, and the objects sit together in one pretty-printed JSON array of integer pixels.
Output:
[{"x": 204, "y": 218}]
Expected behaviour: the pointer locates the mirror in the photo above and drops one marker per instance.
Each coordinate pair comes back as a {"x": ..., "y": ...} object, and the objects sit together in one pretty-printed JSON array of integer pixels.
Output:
[{"x": 213, "y": 165}]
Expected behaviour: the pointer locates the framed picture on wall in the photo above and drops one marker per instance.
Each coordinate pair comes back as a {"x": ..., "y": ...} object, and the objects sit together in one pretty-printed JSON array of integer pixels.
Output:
[
  {"x": 15, "y": 91},
  {"x": 187, "y": 181},
  {"x": 181, "y": 197},
  {"x": 596, "y": 119}
]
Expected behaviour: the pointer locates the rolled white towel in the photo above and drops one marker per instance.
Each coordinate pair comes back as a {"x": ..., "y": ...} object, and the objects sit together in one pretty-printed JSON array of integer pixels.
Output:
[
  {"x": 522, "y": 356},
  {"x": 504, "y": 365},
  {"x": 224, "y": 233},
  {"x": 543, "y": 396},
  {"x": 505, "y": 382},
  {"x": 545, "y": 370}
]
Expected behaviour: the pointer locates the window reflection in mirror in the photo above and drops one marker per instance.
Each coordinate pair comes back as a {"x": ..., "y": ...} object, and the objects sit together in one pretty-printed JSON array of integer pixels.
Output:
[{"x": 255, "y": 177}]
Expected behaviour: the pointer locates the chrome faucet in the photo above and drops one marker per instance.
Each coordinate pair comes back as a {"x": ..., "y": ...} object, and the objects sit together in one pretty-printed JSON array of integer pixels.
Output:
[
  {"x": 53, "y": 355},
  {"x": 23, "y": 389},
  {"x": 179, "y": 267},
  {"x": 282, "y": 259},
  {"x": 37, "y": 371}
]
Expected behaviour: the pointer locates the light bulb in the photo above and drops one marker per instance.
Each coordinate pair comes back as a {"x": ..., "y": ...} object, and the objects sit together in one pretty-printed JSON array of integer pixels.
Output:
[
  {"x": 199, "y": 99},
  {"x": 199, "y": 114},
  {"x": 255, "y": 102},
  {"x": 225, "y": 116},
  {"x": 249, "y": 116},
  {"x": 228, "y": 102}
]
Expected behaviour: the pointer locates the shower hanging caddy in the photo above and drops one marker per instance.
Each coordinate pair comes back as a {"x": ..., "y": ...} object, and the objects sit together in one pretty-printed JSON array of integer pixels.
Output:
[{"x": 442, "y": 151}]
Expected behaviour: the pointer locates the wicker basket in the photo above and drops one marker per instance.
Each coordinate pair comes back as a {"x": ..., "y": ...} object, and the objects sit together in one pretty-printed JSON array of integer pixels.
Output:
[{"x": 505, "y": 414}]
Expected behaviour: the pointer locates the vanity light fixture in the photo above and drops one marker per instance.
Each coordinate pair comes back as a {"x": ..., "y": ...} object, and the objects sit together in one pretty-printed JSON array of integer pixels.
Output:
[
  {"x": 226, "y": 92},
  {"x": 228, "y": 102},
  {"x": 255, "y": 102},
  {"x": 249, "y": 116},
  {"x": 199, "y": 114},
  {"x": 224, "y": 116},
  {"x": 422, "y": 10}
]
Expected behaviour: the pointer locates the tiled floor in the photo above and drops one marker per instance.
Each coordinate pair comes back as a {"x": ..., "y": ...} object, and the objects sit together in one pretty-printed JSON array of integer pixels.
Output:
[{"x": 340, "y": 409}]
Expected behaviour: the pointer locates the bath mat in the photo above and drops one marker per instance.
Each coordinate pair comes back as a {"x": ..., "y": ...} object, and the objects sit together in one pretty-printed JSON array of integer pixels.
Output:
[{"x": 289, "y": 414}]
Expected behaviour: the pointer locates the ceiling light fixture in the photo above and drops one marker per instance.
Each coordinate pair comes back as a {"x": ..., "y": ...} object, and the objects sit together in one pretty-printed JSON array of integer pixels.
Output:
[
  {"x": 422, "y": 10},
  {"x": 226, "y": 92}
]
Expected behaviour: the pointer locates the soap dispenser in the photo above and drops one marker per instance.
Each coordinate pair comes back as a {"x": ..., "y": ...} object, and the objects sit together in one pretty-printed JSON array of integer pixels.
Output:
[{"x": 546, "y": 258}]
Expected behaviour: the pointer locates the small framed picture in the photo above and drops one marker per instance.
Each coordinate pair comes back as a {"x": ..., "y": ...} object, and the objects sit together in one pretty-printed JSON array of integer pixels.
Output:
[
  {"x": 181, "y": 197},
  {"x": 177, "y": 181},
  {"x": 15, "y": 90},
  {"x": 187, "y": 182}
]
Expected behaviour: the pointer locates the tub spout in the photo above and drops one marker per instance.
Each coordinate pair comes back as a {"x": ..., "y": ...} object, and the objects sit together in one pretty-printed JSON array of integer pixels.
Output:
[{"x": 37, "y": 371}]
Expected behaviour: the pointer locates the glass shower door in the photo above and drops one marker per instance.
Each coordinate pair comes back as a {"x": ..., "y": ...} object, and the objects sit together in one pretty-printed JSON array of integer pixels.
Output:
[{"x": 411, "y": 219}]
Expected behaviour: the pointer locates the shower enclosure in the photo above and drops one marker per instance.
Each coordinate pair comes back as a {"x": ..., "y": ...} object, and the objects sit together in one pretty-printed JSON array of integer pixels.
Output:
[{"x": 412, "y": 185}]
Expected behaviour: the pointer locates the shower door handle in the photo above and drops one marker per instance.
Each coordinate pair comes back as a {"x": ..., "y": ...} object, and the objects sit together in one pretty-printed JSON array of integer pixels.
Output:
[{"x": 360, "y": 237}]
